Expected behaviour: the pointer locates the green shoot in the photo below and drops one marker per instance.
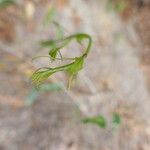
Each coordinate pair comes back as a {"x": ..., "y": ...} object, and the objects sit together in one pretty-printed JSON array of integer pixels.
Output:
[{"x": 97, "y": 120}]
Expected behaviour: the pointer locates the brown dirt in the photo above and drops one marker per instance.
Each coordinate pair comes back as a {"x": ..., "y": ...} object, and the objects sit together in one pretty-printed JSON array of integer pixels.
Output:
[{"x": 112, "y": 81}]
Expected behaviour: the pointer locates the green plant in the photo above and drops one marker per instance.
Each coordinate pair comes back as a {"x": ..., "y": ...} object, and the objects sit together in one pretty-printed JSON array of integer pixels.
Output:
[
  {"x": 72, "y": 68},
  {"x": 117, "y": 5},
  {"x": 55, "y": 47},
  {"x": 49, "y": 17},
  {"x": 116, "y": 119},
  {"x": 98, "y": 120},
  {"x": 101, "y": 122},
  {"x": 34, "y": 92},
  {"x": 4, "y": 3}
]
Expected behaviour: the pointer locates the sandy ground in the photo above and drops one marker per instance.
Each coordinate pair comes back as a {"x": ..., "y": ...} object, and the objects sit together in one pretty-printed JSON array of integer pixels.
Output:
[{"x": 115, "y": 78}]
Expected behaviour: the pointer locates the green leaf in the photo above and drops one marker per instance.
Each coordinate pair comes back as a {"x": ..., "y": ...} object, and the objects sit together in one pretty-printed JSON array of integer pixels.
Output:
[
  {"x": 53, "y": 47},
  {"x": 120, "y": 6},
  {"x": 4, "y": 3},
  {"x": 48, "y": 43},
  {"x": 58, "y": 46},
  {"x": 116, "y": 119},
  {"x": 59, "y": 30},
  {"x": 49, "y": 16},
  {"x": 53, "y": 53},
  {"x": 76, "y": 66},
  {"x": 109, "y": 5},
  {"x": 98, "y": 120},
  {"x": 31, "y": 97}
]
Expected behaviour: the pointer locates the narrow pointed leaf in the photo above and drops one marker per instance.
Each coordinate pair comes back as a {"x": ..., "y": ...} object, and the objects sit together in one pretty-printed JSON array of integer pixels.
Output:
[{"x": 98, "y": 120}]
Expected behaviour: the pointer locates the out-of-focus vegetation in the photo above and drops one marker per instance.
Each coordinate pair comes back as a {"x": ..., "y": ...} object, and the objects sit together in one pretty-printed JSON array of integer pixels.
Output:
[
  {"x": 101, "y": 122},
  {"x": 4, "y": 3},
  {"x": 97, "y": 120},
  {"x": 50, "y": 15},
  {"x": 34, "y": 92},
  {"x": 117, "y": 5}
]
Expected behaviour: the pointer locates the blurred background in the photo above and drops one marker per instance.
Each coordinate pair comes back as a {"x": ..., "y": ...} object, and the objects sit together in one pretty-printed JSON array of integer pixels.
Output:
[{"x": 115, "y": 78}]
